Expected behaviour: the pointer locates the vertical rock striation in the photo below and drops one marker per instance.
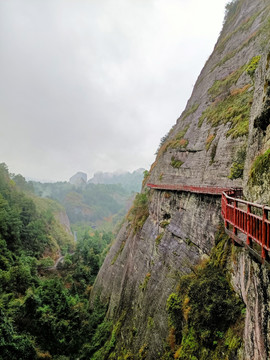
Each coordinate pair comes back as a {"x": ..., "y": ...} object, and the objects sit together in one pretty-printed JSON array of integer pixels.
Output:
[{"x": 142, "y": 269}]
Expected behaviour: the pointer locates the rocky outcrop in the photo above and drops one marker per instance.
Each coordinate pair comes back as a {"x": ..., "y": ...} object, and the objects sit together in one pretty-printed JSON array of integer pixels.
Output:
[
  {"x": 215, "y": 142},
  {"x": 63, "y": 219},
  {"x": 80, "y": 178}
]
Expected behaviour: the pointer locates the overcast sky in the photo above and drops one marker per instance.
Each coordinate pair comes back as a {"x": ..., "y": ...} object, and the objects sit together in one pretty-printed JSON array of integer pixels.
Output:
[{"x": 92, "y": 85}]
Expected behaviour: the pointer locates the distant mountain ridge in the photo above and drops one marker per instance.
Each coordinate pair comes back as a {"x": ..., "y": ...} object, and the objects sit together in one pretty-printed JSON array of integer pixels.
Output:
[
  {"x": 125, "y": 178},
  {"x": 131, "y": 181}
]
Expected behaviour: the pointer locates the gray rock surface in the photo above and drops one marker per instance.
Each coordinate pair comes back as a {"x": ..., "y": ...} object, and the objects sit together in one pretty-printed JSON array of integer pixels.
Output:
[
  {"x": 63, "y": 219},
  {"x": 252, "y": 282},
  {"x": 137, "y": 278}
]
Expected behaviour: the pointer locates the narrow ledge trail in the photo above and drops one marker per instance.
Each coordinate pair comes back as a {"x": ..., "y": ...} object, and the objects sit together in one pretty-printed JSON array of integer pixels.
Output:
[{"x": 246, "y": 223}]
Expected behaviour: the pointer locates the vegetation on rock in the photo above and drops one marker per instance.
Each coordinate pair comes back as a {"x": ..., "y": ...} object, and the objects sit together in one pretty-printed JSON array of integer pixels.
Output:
[
  {"x": 213, "y": 153},
  {"x": 229, "y": 104},
  {"x": 260, "y": 168},
  {"x": 163, "y": 141},
  {"x": 237, "y": 168},
  {"x": 145, "y": 281},
  {"x": 189, "y": 111},
  {"x": 139, "y": 212},
  {"x": 252, "y": 66},
  {"x": 177, "y": 142},
  {"x": 223, "y": 86},
  {"x": 205, "y": 315},
  {"x": 209, "y": 140},
  {"x": 234, "y": 109},
  {"x": 159, "y": 238},
  {"x": 230, "y": 9},
  {"x": 176, "y": 163}
]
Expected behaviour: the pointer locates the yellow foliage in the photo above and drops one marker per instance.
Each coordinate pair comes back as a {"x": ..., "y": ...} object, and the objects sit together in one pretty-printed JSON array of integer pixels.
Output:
[
  {"x": 186, "y": 307},
  {"x": 171, "y": 338},
  {"x": 240, "y": 90},
  {"x": 209, "y": 140},
  {"x": 177, "y": 354},
  {"x": 44, "y": 355}
]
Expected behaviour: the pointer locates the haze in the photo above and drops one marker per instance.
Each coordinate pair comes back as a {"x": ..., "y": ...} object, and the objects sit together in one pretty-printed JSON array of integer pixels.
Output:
[{"x": 92, "y": 85}]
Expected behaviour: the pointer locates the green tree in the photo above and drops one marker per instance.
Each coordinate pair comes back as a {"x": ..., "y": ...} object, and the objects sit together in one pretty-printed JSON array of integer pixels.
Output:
[{"x": 12, "y": 345}]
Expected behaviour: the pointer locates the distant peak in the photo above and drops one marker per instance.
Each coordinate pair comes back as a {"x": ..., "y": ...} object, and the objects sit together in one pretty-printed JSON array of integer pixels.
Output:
[{"x": 80, "y": 178}]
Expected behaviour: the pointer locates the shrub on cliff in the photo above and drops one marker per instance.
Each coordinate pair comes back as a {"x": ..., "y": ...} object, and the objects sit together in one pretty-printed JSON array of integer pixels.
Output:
[
  {"x": 259, "y": 168},
  {"x": 238, "y": 164},
  {"x": 204, "y": 311},
  {"x": 139, "y": 212},
  {"x": 230, "y": 9}
]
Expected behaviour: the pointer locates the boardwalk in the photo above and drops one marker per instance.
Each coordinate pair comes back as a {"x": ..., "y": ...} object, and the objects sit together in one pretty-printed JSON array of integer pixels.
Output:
[
  {"x": 245, "y": 222},
  {"x": 211, "y": 190}
]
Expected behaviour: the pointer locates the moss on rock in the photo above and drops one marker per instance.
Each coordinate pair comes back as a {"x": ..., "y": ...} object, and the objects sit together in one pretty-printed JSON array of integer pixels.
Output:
[
  {"x": 139, "y": 212},
  {"x": 238, "y": 164},
  {"x": 259, "y": 168},
  {"x": 205, "y": 313},
  {"x": 234, "y": 109},
  {"x": 175, "y": 163},
  {"x": 252, "y": 66}
]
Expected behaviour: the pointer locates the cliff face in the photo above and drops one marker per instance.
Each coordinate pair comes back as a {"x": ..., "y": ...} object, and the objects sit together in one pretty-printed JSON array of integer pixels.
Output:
[
  {"x": 141, "y": 270},
  {"x": 221, "y": 139},
  {"x": 63, "y": 219}
]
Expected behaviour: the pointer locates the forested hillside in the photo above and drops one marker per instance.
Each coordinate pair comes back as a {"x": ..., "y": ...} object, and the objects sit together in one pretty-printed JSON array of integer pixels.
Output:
[
  {"x": 44, "y": 311},
  {"x": 97, "y": 205}
]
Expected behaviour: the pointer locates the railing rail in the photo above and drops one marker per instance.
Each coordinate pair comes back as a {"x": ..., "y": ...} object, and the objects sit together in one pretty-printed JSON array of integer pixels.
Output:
[
  {"x": 212, "y": 190},
  {"x": 249, "y": 218}
]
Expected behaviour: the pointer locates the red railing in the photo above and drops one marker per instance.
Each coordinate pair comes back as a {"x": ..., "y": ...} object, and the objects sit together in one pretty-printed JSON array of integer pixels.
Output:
[
  {"x": 211, "y": 190},
  {"x": 249, "y": 218}
]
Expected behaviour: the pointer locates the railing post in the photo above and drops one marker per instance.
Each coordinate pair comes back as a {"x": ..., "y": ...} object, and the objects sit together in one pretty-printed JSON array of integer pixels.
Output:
[
  {"x": 234, "y": 216},
  {"x": 263, "y": 233},
  {"x": 226, "y": 211},
  {"x": 248, "y": 225}
]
